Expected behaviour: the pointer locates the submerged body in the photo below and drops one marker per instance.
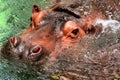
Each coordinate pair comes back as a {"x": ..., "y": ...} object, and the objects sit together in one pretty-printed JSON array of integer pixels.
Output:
[{"x": 63, "y": 39}]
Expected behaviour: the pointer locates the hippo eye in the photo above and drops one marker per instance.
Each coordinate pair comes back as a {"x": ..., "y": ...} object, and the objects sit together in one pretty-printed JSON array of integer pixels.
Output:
[{"x": 75, "y": 31}]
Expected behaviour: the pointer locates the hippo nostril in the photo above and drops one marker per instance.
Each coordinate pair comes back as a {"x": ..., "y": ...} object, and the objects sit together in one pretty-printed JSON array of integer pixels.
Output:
[
  {"x": 36, "y": 53},
  {"x": 36, "y": 49},
  {"x": 14, "y": 41}
]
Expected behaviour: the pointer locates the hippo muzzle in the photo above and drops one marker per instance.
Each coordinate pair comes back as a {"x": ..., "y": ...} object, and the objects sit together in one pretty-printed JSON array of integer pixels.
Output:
[{"x": 18, "y": 49}]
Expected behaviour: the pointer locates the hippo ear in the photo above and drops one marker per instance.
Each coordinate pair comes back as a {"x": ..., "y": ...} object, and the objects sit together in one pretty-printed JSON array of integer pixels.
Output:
[
  {"x": 71, "y": 29},
  {"x": 35, "y": 8}
]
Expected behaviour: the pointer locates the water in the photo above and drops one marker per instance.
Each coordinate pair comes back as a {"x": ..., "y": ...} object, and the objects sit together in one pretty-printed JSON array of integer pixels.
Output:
[
  {"x": 16, "y": 70},
  {"x": 113, "y": 24},
  {"x": 12, "y": 18}
]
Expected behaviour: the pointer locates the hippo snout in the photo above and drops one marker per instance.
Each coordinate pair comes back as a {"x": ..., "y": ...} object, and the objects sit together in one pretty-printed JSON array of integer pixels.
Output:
[
  {"x": 19, "y": 49},
  {"x": 14, "y": 41}
]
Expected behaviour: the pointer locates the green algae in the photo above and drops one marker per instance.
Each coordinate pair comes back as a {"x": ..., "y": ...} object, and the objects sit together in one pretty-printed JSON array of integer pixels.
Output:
[{"x": 14, "y": 16}]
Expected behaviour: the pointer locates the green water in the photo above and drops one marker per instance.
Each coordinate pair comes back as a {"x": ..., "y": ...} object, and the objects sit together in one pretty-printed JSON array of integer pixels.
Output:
[{"x": 14, "y": 17}]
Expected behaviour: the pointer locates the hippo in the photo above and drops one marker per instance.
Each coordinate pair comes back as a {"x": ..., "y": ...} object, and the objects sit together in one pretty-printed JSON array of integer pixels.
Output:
[
  {"x": 60, "y": 35},
  {"x": 49, "y": 27}
]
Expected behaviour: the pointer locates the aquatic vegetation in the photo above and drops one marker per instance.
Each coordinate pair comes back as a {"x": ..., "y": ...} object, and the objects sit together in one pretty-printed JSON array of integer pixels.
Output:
[{"x": 14, "y": 16}]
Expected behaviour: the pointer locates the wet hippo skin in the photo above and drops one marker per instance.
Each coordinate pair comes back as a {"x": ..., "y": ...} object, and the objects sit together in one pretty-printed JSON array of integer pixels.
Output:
[{"x": 48, "y": 28}]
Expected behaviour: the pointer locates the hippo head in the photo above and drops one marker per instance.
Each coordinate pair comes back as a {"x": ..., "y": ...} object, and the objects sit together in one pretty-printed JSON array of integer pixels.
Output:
[{"x": 53, "y": 28}]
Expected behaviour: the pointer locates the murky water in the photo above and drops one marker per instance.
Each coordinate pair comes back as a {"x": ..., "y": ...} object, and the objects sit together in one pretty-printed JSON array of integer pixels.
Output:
[{"x": 18, "y": 71}]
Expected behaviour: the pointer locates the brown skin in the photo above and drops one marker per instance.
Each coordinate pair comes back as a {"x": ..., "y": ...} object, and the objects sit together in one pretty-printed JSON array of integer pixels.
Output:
[{"x": 47, "y": 29}]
